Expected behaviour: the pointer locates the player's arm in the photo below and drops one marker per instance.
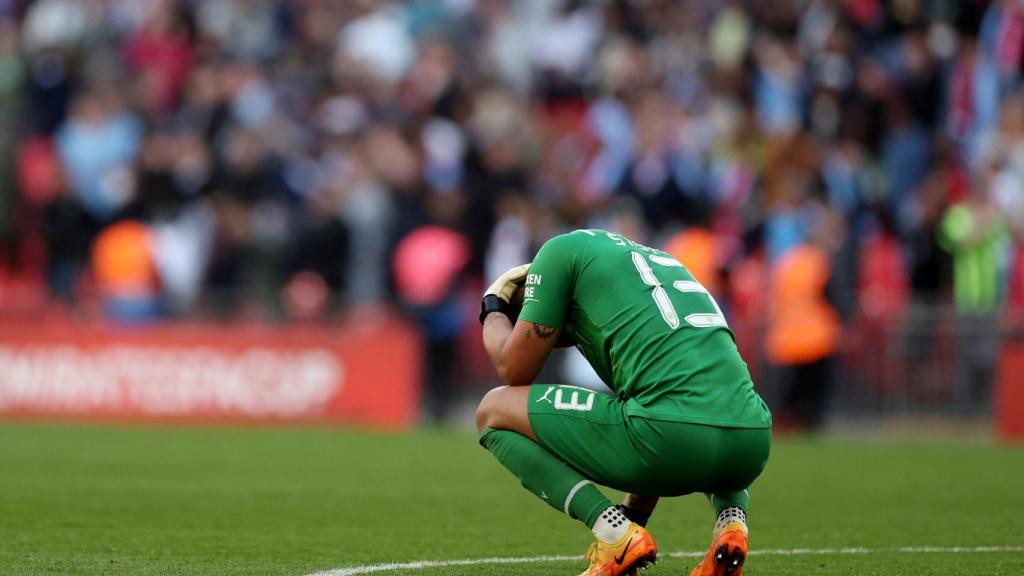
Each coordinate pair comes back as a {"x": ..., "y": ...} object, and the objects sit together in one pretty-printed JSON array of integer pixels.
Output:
[
  {"x": 516, "y": 356},
  {"x": 518, "y": 351}
]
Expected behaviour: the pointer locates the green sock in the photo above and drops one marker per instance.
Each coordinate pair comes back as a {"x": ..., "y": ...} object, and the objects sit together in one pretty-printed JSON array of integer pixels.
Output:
[
  {"x": 724, "y": 500},
  {"x": 540, "y": 472}
]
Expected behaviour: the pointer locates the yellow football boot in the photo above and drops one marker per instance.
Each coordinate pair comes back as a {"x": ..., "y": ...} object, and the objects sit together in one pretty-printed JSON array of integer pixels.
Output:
[
  {"x": 634, "y": 551},
  {"x": 727, "y": 553}
]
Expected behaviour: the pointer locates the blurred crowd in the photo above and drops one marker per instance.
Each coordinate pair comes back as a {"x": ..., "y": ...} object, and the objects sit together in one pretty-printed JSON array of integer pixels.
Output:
[{"x": 304, "y": 157}]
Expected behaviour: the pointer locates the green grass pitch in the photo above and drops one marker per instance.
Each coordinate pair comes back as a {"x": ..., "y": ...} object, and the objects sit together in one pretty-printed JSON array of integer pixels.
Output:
[{"x": 290, "y": 502}]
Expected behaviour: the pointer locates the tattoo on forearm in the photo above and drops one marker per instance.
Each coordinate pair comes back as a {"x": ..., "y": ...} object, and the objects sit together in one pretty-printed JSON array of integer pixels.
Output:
[{"x": 544, "y": 332}]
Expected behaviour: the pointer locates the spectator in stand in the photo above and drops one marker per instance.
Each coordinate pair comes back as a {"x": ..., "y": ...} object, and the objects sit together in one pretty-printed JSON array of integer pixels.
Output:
[
  {"x": 906, "y": 155},
  {"x": 67, "y": 229},
  {"x": 929, "y": 267},
  {"x": 12, "y": 80},
  {"x": 973, "y": 96},
  {"x": 97, "y": 145},
  {"x": 159, "y": 52},
  {"x": 1002, "y": 35},
  {"x": 429, "y": 275}
]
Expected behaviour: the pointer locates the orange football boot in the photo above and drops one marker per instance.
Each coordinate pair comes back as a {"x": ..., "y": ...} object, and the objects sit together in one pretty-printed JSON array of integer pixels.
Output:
[
  {"x": 727, "y": 553},
  {"x": 635, "y": 551}
]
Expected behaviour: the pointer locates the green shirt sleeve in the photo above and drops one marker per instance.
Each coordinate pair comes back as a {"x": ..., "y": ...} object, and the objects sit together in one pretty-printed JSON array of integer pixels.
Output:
[{"x": 550, "y": 282}]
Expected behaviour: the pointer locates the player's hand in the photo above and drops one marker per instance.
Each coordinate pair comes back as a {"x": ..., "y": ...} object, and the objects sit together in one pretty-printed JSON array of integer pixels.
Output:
[
  {"x": 499, "y": 294},
  {"x": 505, "y": 286}
]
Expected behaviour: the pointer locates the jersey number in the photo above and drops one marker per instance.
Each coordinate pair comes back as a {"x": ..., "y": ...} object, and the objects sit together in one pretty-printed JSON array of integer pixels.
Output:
[{"x": 668, "y": 312}]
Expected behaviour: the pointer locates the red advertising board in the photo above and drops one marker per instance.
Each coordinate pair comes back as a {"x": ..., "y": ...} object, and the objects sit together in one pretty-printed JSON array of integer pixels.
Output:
[
  {"x": 1010, "y": 392},
  {"x": 366, "y": 374}
]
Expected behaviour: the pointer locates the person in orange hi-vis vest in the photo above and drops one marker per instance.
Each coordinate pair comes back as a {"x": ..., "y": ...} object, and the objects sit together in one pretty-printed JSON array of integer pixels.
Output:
[
  {"x": 803, "y": 334},
  {"x": 697, "y": 250},
  {"x": 125, "y": 272}
]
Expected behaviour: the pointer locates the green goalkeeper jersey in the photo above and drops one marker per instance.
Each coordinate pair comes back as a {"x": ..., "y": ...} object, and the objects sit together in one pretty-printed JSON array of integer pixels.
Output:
[{"x": 652, "y": 333}]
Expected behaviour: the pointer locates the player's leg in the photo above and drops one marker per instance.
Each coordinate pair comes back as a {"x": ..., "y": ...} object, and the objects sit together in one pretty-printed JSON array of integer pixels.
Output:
[
  {"x": 504, "y": 424},
  {"x": 729, "y": 538},
  {"x": 504, "y": 408},
  {"x": 506, "y": 431},
  {"x": 721, "y": 501},
  {"x": 638, "y": 508},
  {"x": 682, "y": 458},
  {"x": 745, "y": 451}
]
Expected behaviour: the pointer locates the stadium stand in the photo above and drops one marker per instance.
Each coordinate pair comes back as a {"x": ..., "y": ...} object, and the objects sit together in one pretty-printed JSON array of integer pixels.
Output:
[{"x": 273, "y": 155}]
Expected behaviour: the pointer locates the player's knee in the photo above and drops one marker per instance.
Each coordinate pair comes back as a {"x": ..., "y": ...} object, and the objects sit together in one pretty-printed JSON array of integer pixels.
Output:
[{"x": 487, "y": 411}]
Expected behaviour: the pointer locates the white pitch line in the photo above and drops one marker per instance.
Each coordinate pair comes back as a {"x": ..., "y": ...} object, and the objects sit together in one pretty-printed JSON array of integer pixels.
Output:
[
  {"x": 354, "y": 570},
  {"x": 440, "y": 564}
]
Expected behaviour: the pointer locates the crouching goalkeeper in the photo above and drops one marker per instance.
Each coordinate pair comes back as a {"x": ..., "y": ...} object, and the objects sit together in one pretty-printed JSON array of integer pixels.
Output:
[{"x": 684, "y": 417}]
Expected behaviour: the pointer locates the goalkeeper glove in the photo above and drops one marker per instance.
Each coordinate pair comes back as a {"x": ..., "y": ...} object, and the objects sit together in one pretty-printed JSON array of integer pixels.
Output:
[{"x": 498, "y": 296}]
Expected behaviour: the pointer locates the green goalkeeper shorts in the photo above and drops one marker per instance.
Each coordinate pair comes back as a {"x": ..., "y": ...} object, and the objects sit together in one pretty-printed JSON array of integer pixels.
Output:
[{"x": 592, "y": 433}]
